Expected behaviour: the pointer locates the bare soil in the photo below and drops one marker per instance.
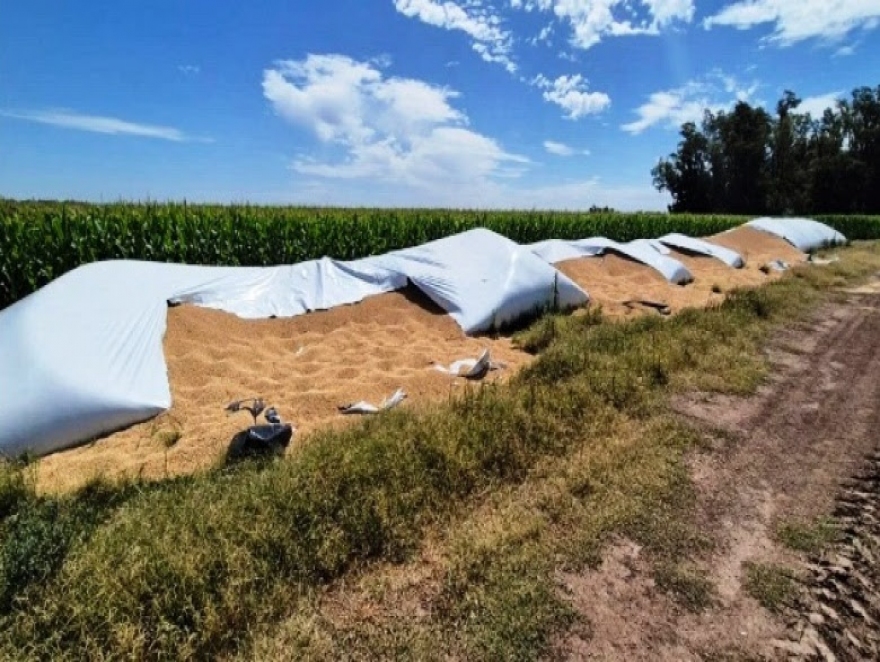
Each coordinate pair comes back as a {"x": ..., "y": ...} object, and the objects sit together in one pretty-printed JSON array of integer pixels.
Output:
[{"x": 806, "y": 446}]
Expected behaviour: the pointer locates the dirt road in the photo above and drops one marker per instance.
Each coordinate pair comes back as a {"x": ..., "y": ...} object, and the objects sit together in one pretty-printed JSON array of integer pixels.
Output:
[{"x": 806, "y": 446}]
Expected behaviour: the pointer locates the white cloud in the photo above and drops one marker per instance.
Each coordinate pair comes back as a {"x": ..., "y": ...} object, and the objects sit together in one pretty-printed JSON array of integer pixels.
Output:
[
  {"x": 797, "y": 20},
  {"x": 816, "y": 105},
  {"x": 543, "y": 36},
  {"x": 570, "y": 93},
  {"x": 593, "y": 20},
  {"x": 189, "y": 69},
  {"x": 561, "y": 149},
  {"x": 672, "y": 108},
  {"x": 98, "y": 124},
  {"x": 581, "y": 194},
  {"x": 843, "y": 51},
  {"x": 575, "y": 194},
  {"x": 490, "y": 41},
  {"x": 383, "y": 60},
  {"x": 392, "y": 130}
]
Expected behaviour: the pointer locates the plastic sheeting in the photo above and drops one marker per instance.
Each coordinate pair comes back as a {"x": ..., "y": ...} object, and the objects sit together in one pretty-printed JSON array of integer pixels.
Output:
[
  {"x": 804, "y": 234},
  {"x": 483, "y": 280},
  {"x": 83, "y": 356},
  {"x": 701, "y": 247},
  {"x": 645, "y": 251},
  {"x": 286, "y": 291}
]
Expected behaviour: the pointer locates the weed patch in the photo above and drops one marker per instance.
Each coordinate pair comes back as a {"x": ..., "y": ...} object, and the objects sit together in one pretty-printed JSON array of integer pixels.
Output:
[
  {"x": 808, "y": 537},
  {"x": 773, "y": 586},
  {"x": 688, "y": 585}
]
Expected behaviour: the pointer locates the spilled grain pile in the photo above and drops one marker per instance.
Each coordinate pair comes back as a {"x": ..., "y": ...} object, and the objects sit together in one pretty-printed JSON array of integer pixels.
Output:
[
  {"x": 613, "y": 279},
  {"x": 304, "y": 365},
  {"x": 308, "y": 365}
]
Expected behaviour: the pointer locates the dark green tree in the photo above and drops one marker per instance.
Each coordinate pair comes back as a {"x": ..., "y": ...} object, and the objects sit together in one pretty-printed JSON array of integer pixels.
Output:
[
  {"x": 686, "y": 174},
  {"x": 861, "y": 119},
  {"x": 742, "y": 161},
  {"x": 788, "y": 186},
  {"x": 745, "y": 161},
  {"x": 836, "y": 178}
]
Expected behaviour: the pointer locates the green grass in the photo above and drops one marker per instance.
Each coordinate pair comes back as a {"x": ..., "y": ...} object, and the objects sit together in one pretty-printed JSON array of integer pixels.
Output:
[
  {"x": 512, "y": 482},
  {"x": 499, "y": 600},
  {"x": 810, "y": 537},
  {"x": 14, "y": 490},
  {"x": 688, "y": 585},
  {"x": 773, "y": 586}
]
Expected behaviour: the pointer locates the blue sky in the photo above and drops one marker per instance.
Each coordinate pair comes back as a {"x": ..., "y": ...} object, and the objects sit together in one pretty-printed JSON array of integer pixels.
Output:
[{"x": 463, "y": 103}]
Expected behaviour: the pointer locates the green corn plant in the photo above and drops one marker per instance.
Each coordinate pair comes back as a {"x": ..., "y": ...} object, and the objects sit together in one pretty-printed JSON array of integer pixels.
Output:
[{"x": 40, "y": 241}]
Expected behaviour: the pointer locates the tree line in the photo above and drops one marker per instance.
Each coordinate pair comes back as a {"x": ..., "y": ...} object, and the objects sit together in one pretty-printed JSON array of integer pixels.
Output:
[{"x": 747, "y": 161}]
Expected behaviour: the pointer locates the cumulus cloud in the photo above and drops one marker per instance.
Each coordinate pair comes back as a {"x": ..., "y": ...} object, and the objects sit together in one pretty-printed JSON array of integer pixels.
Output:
[
  {"x": 572, "y": 95},
  {"x": 561, "y": 149},
  {"x": 393, "y": 130},
  {"x": 481, "y": 24},
  {"x": 817, "y": 105},
  {"x": 593, "y": 20},
  {"x": 99, "y": 124},
  {"x": 672, "y": 108},
  {"x": 798, "y": 20}
]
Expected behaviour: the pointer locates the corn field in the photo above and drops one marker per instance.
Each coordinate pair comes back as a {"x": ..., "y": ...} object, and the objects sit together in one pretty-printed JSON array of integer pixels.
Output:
[{"x": 40, "y": 241}]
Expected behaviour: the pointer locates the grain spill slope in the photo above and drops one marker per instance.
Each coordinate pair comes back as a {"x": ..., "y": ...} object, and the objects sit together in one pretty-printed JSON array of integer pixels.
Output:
[
  {"x": 613, "y": 279},
  {"x": 308, "y": 365},
  {"x": 304, "y": 365}
]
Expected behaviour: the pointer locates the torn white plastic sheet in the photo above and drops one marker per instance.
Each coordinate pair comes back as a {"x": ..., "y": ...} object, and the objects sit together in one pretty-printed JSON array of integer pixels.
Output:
[
  {"x": 656, "y": 244},
  {"x": 804, "y": 234},
  {"x": 364, "y": 407},
  {"x": 285, "y": 291},
  {"x": 701, "y": 247},
  {"x": 644, "y": 251},
  {"x": 553, "y": 251},
  {"x": 83, "y": 356},
  {"x": 483, "y": 280}
]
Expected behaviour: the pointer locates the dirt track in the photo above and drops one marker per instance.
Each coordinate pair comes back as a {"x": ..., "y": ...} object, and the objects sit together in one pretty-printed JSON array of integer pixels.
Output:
[{"x": 791, "y": 453}]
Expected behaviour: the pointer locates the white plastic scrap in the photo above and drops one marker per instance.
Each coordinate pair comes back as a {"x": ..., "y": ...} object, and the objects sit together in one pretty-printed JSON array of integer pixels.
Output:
[
  {"x": 471, "y": 368},
  {"x": 821, "y": 262},
  {"x": 364, "y": 407},
  {"x": 776, "y": 265}
]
